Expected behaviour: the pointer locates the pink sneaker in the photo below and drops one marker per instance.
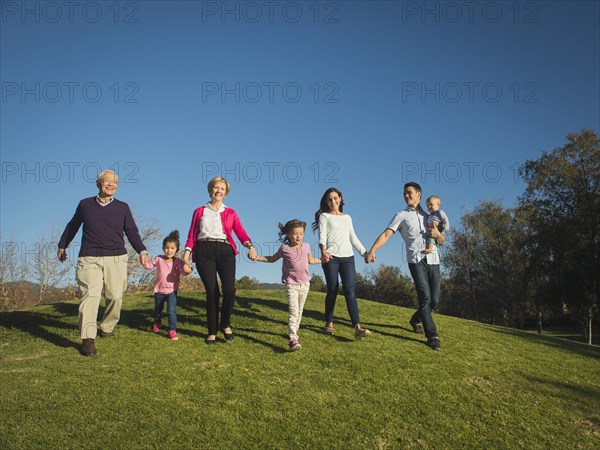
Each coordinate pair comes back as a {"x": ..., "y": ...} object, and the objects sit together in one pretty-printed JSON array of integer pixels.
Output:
[
  {"x": 294, "y": 345},
  {"x": 156, "y": 327},
  {"x": 173, "y": 335}
]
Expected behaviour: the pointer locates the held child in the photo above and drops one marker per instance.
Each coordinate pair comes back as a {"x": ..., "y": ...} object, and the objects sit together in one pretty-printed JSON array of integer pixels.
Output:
[
  {"x": 168, "y": 270},
  {"x": 436, "y": 219},
  {"x": 296, "y": 258}
]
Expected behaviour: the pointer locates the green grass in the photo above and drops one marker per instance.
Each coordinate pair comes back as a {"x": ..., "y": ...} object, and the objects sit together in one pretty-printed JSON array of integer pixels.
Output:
[
  {"x": 571, "y": 332},
  {"x": 489, "y": 387}
]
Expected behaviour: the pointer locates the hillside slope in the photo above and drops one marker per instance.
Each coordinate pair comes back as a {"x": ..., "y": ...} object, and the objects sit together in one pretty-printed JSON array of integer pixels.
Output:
[{"x": 489, "y": 387}]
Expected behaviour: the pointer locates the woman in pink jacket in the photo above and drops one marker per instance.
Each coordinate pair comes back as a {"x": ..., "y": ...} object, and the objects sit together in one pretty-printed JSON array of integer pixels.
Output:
[{"x": 211, "y": 245}]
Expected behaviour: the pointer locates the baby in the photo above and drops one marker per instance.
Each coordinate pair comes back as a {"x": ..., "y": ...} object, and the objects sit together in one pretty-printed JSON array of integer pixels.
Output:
[{"x": 436, "y": 219}]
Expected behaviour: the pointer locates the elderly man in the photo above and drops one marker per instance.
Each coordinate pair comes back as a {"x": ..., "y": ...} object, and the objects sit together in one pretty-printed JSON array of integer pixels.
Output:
[
  {"x": 102, "y": 261},
  {"x": 411, "y": 223}
]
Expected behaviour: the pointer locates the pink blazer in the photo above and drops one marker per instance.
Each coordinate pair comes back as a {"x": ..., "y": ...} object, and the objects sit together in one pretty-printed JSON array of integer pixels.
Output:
[{"x": 229, "y": 219}]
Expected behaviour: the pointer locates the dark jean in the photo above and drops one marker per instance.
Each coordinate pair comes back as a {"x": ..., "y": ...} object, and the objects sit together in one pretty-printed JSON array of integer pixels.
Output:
[
  {"x": 214, "y": 258},
  {"x": 427, "y": 280},
  {"x": 347, "y": 271},
  {"x": 159, "y": 302}
]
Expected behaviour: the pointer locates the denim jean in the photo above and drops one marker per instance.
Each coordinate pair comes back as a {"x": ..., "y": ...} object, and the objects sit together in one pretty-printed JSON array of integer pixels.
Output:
[
  {"x": 427, "y": 280},
  {"x": 159, "y": 302},
  {"x": 344, "y": 267}
]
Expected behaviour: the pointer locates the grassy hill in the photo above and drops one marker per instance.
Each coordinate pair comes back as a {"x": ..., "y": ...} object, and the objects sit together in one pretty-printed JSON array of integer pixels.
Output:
[{"x": 489, "y": 387}]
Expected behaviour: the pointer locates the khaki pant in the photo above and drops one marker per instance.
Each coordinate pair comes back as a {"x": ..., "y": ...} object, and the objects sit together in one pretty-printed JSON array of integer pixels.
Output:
[
  {"x": 296, "y": 296},
  {"x": 93, "y": 274}
]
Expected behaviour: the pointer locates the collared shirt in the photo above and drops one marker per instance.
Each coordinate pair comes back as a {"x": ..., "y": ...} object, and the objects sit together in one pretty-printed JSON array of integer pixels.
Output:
[
  {"x": 211, "y": 225},
  {"x": 411, "y": 224},
  {"x": 106, "y": 203}
]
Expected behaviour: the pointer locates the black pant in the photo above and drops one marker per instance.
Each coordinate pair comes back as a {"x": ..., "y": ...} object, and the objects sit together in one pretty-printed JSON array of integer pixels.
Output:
[{"x": 214, "y": 258}]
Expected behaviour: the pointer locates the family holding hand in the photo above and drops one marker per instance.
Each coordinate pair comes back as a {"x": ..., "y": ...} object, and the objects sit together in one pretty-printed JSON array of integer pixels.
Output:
[{"x": 210, "y": 245}]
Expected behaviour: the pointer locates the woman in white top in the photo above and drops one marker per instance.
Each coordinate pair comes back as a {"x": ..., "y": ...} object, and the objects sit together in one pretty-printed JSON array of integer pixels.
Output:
[{"x": 336, "y": 239}]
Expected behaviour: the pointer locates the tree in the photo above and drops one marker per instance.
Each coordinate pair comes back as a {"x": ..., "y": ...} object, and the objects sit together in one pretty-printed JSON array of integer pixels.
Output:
[
  {"x": 317, "y": 284},
  {"x": 12, "y": 274},
  {"x": 393, "y": 287},
  {"x": 465, "y": 267},
  {"x": 139, "y": 278},
  {"x": 364, "y": 287},
  {"x": 486, "y": 262},
  {"x": 46, "y": 271},
  {"x": 563, "y": 196},
  {"x": 247, "y": 283}
]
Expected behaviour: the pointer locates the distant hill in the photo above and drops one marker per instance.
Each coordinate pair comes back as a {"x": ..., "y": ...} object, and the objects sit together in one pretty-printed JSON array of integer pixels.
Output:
[{"x": 272, "y": 286}]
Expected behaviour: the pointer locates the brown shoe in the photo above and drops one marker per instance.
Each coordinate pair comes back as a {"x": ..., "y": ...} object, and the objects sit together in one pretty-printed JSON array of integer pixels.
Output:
[
  {"x": 361, "y": 333},
  {"x": 88, "y": 348},
  {"x": 329, "y": 329},
  {"x": 104, "y": 334}
]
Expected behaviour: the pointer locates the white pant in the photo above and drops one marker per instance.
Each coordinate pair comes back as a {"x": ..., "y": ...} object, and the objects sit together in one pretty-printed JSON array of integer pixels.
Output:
[{"x": 296, "y": 296}]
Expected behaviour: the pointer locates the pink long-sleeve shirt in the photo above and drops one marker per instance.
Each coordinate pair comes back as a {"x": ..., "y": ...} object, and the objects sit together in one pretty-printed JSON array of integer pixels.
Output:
[
  {"x": 167, "y": 274},
  {"x": 230, "y": 221}
]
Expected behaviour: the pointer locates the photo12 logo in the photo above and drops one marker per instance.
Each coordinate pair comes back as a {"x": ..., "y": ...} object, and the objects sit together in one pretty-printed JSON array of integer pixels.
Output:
[
  {"x": 459, "y": 172},
  {"x": 270, "y": 12},
  {"x": 69, "y": 92},
  {"x": 69, "y": 12},
  {"x": 271, "y": 171},
  {"x": 470, "y": 12},
  {"x": 269, "y": 92},
  {"x": 29, "y": 251},
  {"x": 469, "y": 92},
  {"x": 65, "y": 171}
]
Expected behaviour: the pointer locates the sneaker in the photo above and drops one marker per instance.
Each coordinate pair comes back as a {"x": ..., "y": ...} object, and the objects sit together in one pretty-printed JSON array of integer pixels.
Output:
[
  {"x": 363, "y": 332},
  {"x": 88, "y": 348},
  {"x": 434, "y": 343},
  {"x": 104, "y": 334},
  {"x": 417, "y": 328},
  {"x": 173, "y": 335},
  {"x": 329, "y": 329},
  {"x": 294, "y": 345},
  {"x": 156, "y": 327}
]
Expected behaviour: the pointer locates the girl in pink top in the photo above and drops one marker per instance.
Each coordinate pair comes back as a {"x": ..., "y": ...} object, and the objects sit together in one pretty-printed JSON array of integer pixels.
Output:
[
  {"x": 168, "y": 270},
  {"x": 296, "y": 258}
]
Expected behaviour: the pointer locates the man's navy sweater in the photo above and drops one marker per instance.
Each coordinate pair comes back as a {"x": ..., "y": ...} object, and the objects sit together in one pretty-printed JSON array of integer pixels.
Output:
[{"x": 103, "y": 228}]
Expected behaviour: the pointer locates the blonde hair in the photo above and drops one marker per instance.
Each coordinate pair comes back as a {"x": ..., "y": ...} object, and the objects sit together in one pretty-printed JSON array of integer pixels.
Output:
[
  {"x": 104, "y": 174},
  {"x": 431, "y": 198},
  {"x": 219, "y": 179}
]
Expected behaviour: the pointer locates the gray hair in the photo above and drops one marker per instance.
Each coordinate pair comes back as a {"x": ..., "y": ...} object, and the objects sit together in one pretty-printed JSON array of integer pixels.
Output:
[{"x": 105, "y": 173}]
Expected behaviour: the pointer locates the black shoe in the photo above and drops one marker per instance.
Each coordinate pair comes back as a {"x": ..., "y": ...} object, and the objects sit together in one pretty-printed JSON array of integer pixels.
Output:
[
  {"x": 210, "y": 341},
  {"x": 417, "y": 328},
  {"x": 88, "y": 348},
  {"x": 104, "y": 334},
  {"x": 434, "y": 343},
  {"x": 229, "y": 336}
]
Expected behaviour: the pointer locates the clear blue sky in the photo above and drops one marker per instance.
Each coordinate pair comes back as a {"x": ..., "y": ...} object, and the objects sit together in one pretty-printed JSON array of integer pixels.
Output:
[{"x": 285, "y": 99}]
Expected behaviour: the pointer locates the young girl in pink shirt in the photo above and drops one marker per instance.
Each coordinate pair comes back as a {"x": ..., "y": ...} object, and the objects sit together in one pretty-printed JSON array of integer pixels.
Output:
[
  {"x": 296, "y": 258},
  {"x": 168, "y": 270}
]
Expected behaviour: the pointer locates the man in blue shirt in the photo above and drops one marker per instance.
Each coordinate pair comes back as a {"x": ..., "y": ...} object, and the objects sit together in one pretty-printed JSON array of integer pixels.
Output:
[{"x": 411, "y": 223}]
